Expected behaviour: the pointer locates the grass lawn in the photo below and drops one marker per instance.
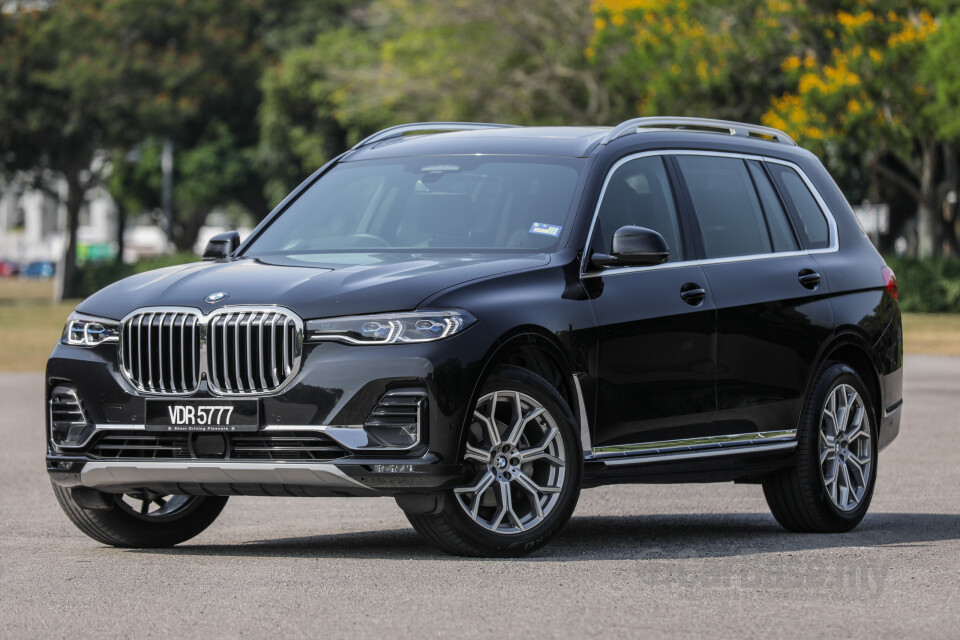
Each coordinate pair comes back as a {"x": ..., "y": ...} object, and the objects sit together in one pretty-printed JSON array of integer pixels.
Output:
[
  {"x": 932, "y": 333},
  {"x": 30, "y": 325}
]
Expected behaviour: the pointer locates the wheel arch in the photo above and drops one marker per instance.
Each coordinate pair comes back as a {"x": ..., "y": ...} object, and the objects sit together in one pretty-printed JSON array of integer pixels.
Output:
[
  {"x": 535, "y": 349},
  {"x": 852, "y": 349}
]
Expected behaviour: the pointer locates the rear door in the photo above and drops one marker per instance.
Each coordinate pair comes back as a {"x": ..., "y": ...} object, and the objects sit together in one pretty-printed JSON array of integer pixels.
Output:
[
  {"x": 656, "y": 323},
  {"x": 773, "y": 311}
]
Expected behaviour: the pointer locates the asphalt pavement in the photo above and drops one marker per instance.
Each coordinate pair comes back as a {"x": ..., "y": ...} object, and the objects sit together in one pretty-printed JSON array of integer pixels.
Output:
[{"x": 635, "y": 561}]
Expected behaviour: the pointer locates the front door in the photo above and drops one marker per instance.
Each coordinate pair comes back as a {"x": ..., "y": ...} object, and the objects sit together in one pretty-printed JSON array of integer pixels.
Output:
[{"x": 655, "y": 375}]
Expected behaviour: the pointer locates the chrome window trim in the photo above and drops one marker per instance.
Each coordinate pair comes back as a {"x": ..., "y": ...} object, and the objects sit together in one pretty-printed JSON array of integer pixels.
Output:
[
  {"x": 704, "y": 443},
  {"x": 203, "y": 374},
  {"x": 828, "y": 214}
]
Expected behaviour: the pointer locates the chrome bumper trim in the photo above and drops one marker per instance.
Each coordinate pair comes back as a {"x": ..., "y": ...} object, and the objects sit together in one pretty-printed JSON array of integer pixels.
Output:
[
  {"x": 350, "y": 436},
  {"x": 103, "y": 475}
]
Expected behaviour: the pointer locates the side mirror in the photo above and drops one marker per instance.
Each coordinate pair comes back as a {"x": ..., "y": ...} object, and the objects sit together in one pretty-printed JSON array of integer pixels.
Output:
[
  {"x": 634, "y": 246},
  {"x": 222, "y": 246}
]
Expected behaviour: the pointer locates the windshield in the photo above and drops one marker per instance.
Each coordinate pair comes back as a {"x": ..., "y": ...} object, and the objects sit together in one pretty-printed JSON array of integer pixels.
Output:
[{"x": 474, "y": 203}]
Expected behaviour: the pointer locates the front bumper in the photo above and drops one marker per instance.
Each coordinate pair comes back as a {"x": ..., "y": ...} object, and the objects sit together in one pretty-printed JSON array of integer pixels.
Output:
[{"x": 328, "y": 402}]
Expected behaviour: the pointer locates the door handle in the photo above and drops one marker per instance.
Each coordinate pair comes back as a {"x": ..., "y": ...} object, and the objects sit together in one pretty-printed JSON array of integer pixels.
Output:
[
  {"x": 693, "y": 294},
  {"x": 809, "y": 278}
]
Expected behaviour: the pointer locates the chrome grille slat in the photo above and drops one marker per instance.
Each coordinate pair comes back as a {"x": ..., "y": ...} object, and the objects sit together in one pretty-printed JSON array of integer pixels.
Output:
[
  {"x": 160, "y": 383},
  {"x": 285, "y": 348},
  {"x": 253, "y": 386},
  {"x": 263, "y": 368},
  {"x": 236, "y": 350},
  {"x": 273, "y": 350}
]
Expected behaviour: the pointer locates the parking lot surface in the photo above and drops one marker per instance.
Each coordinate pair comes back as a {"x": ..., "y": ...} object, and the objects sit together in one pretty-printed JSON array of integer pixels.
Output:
[{"x": 645, "y": 560}]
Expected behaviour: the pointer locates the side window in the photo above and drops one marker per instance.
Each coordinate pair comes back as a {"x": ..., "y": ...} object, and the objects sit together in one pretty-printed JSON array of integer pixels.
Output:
[
  {"x": 725, "y": 201},
  {"x": 777, "y": 222},
  {"x": 638, "y": 194},
  {"x": 811, "y": 223}
]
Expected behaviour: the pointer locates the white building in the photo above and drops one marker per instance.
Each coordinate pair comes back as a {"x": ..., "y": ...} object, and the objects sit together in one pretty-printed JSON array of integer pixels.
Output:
[{"x": 33, "y": 223}]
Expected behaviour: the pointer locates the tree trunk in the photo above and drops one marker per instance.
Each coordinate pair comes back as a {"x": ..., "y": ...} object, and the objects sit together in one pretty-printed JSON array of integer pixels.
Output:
[
  {"x": 121, "y": 229},
  {"x": 75, "y": 195},
  {"x": 929, "y": 219}
]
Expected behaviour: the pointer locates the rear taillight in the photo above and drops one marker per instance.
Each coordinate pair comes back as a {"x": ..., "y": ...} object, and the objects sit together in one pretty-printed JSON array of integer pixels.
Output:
[{"x": 890, "y": 282}]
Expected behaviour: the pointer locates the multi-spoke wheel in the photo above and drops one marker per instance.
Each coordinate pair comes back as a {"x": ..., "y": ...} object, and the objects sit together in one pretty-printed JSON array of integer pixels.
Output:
[
  {"x": 154, "y": 507},
  {"x": 846, "y": 453},
  {"x": 141, "y": 518},
  {"x": 519, "y": 456},
  {"x": 522, "y": 471},
  {"x": 830, "y": 487}
]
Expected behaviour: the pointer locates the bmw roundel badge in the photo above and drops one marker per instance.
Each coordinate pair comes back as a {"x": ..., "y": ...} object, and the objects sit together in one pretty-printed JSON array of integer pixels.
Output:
[{"x": 216, "y": 297}]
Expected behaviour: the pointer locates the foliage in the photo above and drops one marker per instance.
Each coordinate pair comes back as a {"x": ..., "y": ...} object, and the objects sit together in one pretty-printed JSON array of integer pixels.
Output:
[
  {"x": 415, "y": 60},
  {"x": 927, "y": 286},
  {"x": 857, "y": 90},
  {"x": 96, "y": 276},
  {"x": 692, "y": 57}
]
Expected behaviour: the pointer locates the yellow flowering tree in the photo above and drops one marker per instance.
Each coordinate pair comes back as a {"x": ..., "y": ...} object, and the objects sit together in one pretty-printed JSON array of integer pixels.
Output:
[
  {"x": 692, "y": 57},
  {"x": 857, "y": 89}
]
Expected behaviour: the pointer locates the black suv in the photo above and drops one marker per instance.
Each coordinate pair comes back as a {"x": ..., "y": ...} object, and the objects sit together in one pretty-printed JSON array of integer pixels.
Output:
[{"x": 480, "y": 320}]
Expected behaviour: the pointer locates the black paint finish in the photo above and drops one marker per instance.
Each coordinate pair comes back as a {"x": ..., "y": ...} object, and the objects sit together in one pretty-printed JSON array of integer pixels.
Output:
[{"x": 656, "y": 359}]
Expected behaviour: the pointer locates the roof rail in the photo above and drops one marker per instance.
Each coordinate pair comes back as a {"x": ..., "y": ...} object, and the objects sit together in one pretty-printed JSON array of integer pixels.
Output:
[
  {"x": 698, "y": 124},
  {"x": 425, "y": 127}
]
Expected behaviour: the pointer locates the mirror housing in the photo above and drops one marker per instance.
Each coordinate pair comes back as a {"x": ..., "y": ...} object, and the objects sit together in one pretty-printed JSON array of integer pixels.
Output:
[
  {"x": 222, "y": 246},
  {"x": 634, "y": 246}
]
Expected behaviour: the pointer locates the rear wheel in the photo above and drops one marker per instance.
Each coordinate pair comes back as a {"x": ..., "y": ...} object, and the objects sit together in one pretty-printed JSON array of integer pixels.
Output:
[
  {"x": 830, "y": 487},
  {"x": 140, "y": 518},
  {"x": 523, "y": 468}
]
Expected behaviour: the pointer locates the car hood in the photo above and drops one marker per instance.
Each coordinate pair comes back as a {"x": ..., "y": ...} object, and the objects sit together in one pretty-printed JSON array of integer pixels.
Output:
[{"x": 314, "y": 286}]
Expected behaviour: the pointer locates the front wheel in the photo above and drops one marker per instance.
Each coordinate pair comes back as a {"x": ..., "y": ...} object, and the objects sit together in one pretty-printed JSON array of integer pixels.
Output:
[
  {"x": 522, "y": 466},
  {"x": 141, "y": 519},
  {"x": 830, "y": 487}
]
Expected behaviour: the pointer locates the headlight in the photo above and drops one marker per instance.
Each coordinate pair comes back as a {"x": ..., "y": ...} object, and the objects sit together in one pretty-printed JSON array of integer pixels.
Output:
[
  {"x": 391, "y": 328},
  {"x": 88, "y": 331}
]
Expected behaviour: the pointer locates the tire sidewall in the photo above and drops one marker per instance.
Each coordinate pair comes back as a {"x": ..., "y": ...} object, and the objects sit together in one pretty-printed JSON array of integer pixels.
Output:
[
  {"x": 809, "y": 465},
  {"x": 517, "y": 379}
]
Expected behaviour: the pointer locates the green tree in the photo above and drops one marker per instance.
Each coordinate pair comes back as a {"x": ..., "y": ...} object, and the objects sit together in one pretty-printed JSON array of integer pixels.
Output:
[
  {"x": 858, "y": 88},
  {"x": 62, "y": 99},
  {"x": 692, "y": 57},
  {"x": 413, "y": 60}
]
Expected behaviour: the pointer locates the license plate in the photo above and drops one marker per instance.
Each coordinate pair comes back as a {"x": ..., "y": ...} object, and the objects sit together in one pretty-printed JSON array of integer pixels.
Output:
[{"x": 202, "y": 415}]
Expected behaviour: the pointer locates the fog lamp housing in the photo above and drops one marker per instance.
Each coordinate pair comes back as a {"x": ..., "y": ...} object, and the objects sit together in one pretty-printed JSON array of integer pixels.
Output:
[{"x": 398, "y": 419}]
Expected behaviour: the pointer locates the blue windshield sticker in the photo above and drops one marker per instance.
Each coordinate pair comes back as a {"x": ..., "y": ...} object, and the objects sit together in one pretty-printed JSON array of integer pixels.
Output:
[{"x": 546, "y": 229}]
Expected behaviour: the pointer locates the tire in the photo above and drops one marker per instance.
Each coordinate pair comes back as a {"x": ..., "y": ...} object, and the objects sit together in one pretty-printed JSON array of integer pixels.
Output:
[
  {"x": 118, "y": 522},
  {"x": 537, "y": 465},
  {"x": 803, "y": 498}
]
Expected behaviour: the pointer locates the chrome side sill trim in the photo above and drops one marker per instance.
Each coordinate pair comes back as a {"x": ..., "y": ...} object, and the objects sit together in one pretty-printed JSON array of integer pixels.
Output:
[
  {"x": 106, "y": 474},
  {"x": 703, "y": 453},
  {"x": 689, "y": 444}
]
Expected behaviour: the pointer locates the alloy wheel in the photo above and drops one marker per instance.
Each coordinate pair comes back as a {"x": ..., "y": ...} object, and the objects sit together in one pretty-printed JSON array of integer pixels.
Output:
[
  {"x": 846, "y": 450},
  {"x": 153, "y": 506},
  {"x": 518, "y": 454}
]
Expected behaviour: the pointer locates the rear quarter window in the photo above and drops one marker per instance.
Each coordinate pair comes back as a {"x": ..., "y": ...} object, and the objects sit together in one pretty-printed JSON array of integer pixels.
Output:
[{"x": 809, "y": 218}]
